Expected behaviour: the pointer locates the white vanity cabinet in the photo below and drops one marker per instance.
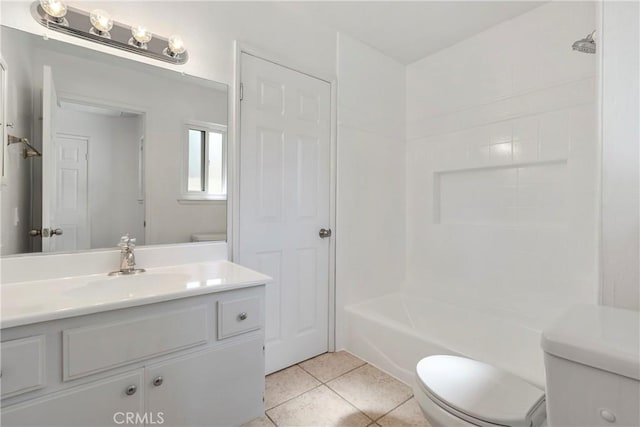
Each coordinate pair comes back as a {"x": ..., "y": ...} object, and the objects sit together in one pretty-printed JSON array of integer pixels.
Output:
[
  {"x": 95, "y": 403},
  {"x": 209, "y": 385},
  {"x": 196, "y": 361}
]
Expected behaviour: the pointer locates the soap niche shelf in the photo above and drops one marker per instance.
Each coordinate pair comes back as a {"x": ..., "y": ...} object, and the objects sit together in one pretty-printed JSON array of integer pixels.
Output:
[{"x": 478, "y": 172}]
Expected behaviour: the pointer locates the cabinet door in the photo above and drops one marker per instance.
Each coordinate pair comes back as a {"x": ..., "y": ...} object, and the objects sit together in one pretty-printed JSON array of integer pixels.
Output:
[
  {"x": 222, "y": 387},
  {"x": 94, "y": 404}
]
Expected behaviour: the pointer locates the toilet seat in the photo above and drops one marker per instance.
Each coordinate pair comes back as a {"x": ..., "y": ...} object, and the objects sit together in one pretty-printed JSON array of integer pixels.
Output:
[{"x": 479, "y": 393}]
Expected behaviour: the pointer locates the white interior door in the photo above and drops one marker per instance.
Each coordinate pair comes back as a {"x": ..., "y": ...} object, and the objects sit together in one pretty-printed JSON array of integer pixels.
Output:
[
  {"x": 70, "y": 205},
  {"x": 49, "y": 108},
  {"x": 285, "y": 146}
]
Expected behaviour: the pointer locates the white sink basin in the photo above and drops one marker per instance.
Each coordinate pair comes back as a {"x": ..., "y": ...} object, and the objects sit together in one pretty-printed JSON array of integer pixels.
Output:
[
  {"x": 42, "y": 300},
  {"x": 120, "y": 287}
]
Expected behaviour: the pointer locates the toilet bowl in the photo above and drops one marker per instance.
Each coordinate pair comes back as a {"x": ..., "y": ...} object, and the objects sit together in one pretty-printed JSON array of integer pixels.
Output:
[{"x": 460, "y": 392}]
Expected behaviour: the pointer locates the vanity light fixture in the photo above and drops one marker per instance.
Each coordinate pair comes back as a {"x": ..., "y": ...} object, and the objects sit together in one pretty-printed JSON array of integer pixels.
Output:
[
  {"x": 55, "y": 10},
  {"x": 175, "y": 47},
  {"x": 101, "y": 23},
  {"x": 140, "y": 37},
  {"x": 57, "y": 16}
]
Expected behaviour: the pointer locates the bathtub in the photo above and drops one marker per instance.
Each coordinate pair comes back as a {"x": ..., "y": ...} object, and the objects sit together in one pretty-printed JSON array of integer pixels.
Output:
[{"x": 395, "y": 331}]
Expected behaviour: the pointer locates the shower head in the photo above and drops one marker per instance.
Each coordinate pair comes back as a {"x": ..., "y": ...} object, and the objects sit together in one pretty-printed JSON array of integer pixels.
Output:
[{"x": 586, "y": 45}]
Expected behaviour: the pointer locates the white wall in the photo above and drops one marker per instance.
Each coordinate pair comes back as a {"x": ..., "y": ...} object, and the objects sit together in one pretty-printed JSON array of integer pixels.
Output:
[
  {"x": 620, "y": 162},
  {"x": 370, "y": 208},
  {"x": 502, "y": 161},
  {"x": 112, "y": 173},
  {"x": 209, "y": 30},
  {"x": 15, "y": 193}
]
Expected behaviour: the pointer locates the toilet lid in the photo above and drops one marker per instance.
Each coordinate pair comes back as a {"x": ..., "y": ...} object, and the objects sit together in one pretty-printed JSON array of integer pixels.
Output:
[{"x": 479, "y": 390}]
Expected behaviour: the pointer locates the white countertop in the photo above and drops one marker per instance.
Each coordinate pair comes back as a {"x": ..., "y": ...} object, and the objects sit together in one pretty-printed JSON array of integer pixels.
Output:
[{"x": 44, "y": 300}]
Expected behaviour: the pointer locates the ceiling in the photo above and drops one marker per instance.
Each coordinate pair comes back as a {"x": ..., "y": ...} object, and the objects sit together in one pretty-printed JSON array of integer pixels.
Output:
[{"x": 410, "y": 30}]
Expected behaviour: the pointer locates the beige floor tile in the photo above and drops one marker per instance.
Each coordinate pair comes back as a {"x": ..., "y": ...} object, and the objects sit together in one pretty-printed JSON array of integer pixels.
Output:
[
  {"x": 286, "y": 384},
  {"x": 371, "y": 390},
  {"x": 408, "y": 414},
  {"x": 331, "y": 365},
  {"x": 318, "y": 407},
  {"x": 263, "y": 421}
]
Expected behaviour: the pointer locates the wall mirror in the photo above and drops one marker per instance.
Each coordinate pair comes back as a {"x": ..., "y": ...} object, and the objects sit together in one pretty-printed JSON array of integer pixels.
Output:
[{"x": 98, "y": 146}]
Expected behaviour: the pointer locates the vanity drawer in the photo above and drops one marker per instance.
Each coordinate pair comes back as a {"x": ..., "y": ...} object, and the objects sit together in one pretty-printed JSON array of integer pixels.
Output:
[
  {"x": 23, "y": 367},
  {"x": 93, "y": 349},
  {"x": 238, "y": 316}
]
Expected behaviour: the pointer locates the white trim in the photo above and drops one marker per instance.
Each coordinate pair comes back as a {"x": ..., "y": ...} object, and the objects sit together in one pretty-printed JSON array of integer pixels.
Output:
[
  {"x": 202, "y": 201},
  {"x": 4, "y": 73},
  {"x": 600, "y": 132},
  {"x": 97, "y": 102},
  {"x": 234, "y": 166}
]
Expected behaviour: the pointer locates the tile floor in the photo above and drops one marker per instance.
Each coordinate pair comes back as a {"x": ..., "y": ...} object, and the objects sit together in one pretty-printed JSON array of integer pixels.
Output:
[{"x": 337, "y": 389}]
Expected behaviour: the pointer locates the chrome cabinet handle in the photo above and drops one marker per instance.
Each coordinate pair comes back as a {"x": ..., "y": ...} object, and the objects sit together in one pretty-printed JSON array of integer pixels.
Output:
[
  {"x": 157, "y": 381},
  {"x": 131, "y": 390},
  {"x": 242, "y": 316},
  {"x": 324, "y": 233}
]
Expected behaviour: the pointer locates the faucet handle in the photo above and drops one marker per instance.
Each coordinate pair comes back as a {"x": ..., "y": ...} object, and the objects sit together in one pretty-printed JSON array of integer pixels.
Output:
[{"x": 124, "y": 241}]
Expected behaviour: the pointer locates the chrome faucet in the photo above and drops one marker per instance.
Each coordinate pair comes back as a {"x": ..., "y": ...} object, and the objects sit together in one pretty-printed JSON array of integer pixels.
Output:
[{"x": 127, "y": 257}]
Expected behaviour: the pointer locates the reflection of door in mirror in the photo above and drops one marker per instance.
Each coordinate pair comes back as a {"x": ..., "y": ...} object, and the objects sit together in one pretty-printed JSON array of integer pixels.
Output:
[{"x": 91, "y": 180}]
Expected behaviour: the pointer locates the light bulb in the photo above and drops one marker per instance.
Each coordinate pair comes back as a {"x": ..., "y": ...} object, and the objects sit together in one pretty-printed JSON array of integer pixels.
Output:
[
  {"x": 176, "y": 46},
  {"x": 141, "y": 34},
  {"x": 101, "y": 22},
  {"x": 54, "y": 8}
]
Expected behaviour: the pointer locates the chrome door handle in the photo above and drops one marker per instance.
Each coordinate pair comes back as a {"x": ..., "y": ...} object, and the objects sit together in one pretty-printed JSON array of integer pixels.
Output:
[
  {"x": 35, "y": 232},
  {"x": 50, "y": 232},
  {"x": 324, "y": 233}
]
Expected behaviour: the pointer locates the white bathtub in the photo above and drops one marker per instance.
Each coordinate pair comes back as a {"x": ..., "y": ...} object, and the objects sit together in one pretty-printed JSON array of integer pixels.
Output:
[{"x": 395, "y": 331}]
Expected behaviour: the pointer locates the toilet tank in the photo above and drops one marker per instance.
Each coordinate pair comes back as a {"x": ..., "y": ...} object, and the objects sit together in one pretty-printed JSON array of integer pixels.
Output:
[{"x": 592, "y": 364}]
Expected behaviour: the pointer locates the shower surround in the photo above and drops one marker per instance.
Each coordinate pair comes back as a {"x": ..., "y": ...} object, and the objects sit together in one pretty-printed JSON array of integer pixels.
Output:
[{"x": 502, "y": 172}]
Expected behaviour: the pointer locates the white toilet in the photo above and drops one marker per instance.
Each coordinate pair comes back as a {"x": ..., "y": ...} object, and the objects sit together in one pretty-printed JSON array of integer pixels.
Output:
[
  {"x": 459, "y": 392},
  {"x": 592, "y": 360}
]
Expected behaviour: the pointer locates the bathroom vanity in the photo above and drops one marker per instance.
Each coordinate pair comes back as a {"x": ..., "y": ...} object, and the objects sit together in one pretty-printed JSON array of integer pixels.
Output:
[{"x": 175, "y": 346}]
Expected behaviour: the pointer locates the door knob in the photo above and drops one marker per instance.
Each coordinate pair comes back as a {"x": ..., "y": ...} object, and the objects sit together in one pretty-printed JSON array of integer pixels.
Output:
[
  {"x": 50, "y": 232},
  {"x": 131, "y": 390},
  {"x": 324, "y": 233},
  {"x": 157, "y": 381},
  {"x": 35, "y": 232}
]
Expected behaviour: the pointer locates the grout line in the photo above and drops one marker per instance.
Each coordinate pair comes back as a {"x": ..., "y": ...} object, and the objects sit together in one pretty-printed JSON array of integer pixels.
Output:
[
  {"x": 270, "y": 419},
  {"x": 350, "y": 404},
  {"x": 394, "y": 408},
  {"x": 297, "y": 395},
  {"x": 335, "y": 378},
  {"x": 307, "y": 372}
]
